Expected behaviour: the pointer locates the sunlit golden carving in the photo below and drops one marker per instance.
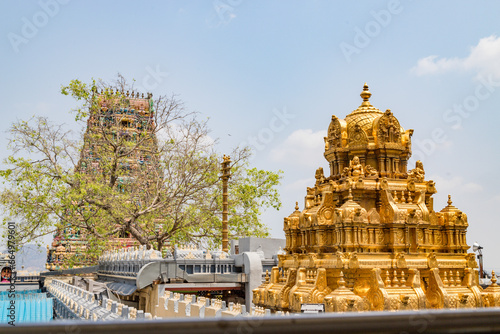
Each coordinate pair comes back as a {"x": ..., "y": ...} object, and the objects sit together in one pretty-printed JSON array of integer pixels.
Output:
[{"x": 368, "y": 237}]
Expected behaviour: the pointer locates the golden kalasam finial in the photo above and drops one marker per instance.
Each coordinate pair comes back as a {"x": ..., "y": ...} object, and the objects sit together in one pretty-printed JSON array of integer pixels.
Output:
[
  {"x": 296, "y": 206},
  {"x": 341, "y": 282},
  {"x": 365, "y": 95},
  {"x": 349, "y": 197},
  {"x": 449, "y": 200},
  {"x": 493, "y": 278}
]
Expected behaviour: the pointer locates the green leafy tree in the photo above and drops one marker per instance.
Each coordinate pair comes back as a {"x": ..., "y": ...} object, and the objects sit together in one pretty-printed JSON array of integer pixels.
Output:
[{"x": 153, "y": 176}]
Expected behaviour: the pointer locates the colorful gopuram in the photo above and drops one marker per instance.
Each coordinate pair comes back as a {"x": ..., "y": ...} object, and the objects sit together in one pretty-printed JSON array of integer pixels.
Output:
[
  {"x": 120, "y": 117},
  {"x": 369, "y": 237}
]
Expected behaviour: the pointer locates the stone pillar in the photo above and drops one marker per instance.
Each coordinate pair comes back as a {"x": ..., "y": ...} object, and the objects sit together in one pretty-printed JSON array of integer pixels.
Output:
[
  {"x": 362, "y": 159},
  {"x": 449, "y": 236},
  {"x": 172, "y": 305},
  {"x": 182, "y": 307},
  {"x": 404, "y": 164},
  {"x": 252, "y": 267},
  {"x": 125, "y": 312},
  {"x": 381, "y": 165},
  {"x": 113, "y": 307},
  {"x": 355, "y": 233},
  {"x": 198, "y": 308}
]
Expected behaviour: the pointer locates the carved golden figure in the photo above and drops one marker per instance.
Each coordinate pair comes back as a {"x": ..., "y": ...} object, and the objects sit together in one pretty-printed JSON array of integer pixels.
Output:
[
  {"x": 368, "y": 237},
  {"x": 418, "y": 173},
  {"x": 356, "y": 168}
]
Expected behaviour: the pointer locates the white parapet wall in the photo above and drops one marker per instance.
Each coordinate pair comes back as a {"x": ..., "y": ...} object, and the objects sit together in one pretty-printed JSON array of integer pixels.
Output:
[
  {"x": 174, "y": 305},
  {"x": 76, "y": 303}
]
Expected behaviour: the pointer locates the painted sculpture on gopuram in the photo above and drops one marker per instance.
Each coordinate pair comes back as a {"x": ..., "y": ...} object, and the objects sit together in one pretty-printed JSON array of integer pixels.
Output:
[{"x": 368, "y": 237}]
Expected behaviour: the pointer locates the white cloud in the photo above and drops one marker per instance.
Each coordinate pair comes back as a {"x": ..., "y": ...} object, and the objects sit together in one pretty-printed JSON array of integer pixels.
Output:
[
  {"x": 301, "y": 184},
  {"x": 460, "y": 190},
  {"x": 496, "y": 199},
  {"x": 433, "y": 65},
  {"x": 456, "y": 185},
  {"x": 484, "y": 59},
  {"x": 303, "y": 147}
]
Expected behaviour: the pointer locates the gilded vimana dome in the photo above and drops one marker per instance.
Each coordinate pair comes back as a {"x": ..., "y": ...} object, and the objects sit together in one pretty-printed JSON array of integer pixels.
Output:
[{"x": 369, "y": 237}]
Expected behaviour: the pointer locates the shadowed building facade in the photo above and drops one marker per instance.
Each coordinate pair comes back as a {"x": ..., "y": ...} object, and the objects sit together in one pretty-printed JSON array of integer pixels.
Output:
[{"x": 369, "y": 237}]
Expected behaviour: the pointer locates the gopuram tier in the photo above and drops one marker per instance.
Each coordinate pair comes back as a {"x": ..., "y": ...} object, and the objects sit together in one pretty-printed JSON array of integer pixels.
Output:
[{"x": 368, "y": 237}]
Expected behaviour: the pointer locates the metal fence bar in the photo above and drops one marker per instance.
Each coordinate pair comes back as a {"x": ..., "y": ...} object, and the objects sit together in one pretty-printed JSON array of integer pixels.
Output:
[{"x": 428, "y": 321}]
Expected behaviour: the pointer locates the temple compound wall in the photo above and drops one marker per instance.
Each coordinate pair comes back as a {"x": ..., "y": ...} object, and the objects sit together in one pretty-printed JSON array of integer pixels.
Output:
[{"x": 369, "y": 237}]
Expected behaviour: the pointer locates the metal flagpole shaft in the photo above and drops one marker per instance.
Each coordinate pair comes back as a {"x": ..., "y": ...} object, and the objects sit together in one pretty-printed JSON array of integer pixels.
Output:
[{"x": 226, "y": 174}]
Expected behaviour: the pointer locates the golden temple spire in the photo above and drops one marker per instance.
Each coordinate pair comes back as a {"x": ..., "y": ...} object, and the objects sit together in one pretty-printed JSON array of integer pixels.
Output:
[
  {"x": 349, "y": 197},
  {"x": 377, "y": 239},
  {"x": 296, "y": 206},
  {"x": 365, "y": 107},
  {"x": 365, "y": 95},
  {"x": 493, "y": 278},
  {"x": 341, "y": 282}
]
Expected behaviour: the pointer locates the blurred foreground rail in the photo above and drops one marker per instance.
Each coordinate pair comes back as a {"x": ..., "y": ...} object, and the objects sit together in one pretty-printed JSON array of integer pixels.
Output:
[{"x": 429, "y": 321}]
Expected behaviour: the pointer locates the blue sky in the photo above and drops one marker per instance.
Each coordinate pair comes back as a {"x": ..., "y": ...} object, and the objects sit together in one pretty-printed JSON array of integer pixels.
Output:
[{"x": 276, "y": 71}]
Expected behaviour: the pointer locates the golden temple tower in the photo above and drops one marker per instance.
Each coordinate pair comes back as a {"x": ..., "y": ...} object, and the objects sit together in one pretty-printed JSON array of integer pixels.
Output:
[{"x": 368, "y": 237}]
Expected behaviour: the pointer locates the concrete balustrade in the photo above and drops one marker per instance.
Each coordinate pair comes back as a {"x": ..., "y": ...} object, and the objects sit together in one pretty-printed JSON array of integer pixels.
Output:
[
  {"x": 174, "y": 305},
  {"x": 75, "y": 303}
]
